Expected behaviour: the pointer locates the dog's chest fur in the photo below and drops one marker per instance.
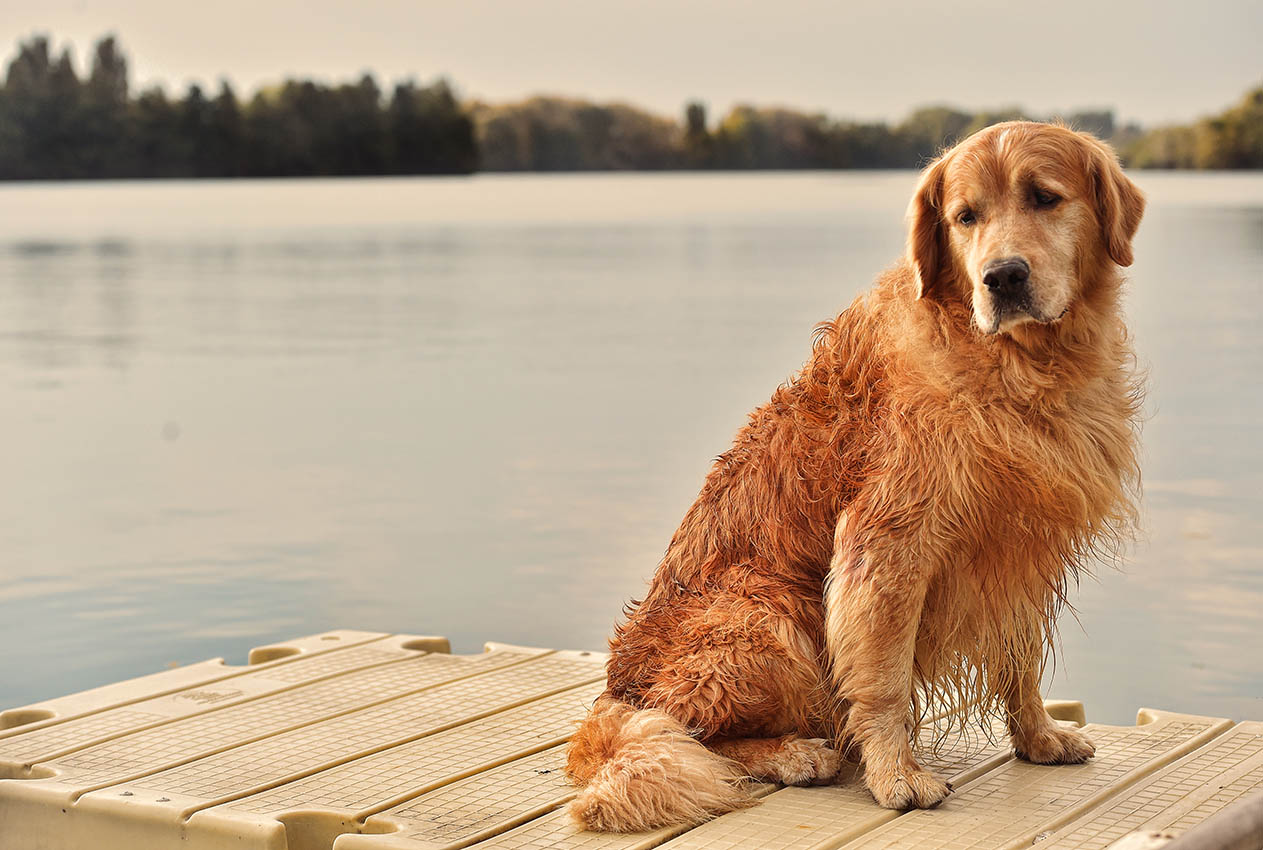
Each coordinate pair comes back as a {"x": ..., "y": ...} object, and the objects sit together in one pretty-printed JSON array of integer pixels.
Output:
[
  {"x": 1021, "y": 478},
  {"x": 1009, "y": 456}
]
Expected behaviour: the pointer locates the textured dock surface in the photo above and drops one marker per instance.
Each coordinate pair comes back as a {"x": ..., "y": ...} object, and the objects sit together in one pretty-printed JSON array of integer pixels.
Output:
[{"x": 365, "y": 741}]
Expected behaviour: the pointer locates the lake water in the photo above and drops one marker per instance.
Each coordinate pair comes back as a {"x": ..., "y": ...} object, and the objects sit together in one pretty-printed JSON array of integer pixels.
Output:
[{"x": 233, "y": 412}]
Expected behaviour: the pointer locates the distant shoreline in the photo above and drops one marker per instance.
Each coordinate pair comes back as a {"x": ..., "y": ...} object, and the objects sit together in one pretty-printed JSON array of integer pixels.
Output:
[
  {"x": 531, "y": 175},
  {"x": 55, "y": 125}
]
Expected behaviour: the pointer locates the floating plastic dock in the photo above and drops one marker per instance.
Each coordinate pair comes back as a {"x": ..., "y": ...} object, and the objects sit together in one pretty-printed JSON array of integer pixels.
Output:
[{"x": 363, "y": 741}]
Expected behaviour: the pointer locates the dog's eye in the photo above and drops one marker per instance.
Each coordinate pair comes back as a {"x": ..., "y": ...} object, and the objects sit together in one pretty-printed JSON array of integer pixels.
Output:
[
  {"x": 1045, "y": 200},
  {"x": 966, "y": 218}
]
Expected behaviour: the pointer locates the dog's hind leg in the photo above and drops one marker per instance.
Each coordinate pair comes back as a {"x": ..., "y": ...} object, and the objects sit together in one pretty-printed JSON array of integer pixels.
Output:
[
  {"x": 736, "y": 668},
  {"x": 789, "y": 759}
]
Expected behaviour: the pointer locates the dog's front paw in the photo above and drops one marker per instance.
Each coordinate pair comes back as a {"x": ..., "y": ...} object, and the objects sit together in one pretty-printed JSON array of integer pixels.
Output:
[
  {"x": 1054, "y": 745},
  {"x": 906, "y": 789},
  {"x": 806, "y": 761}
]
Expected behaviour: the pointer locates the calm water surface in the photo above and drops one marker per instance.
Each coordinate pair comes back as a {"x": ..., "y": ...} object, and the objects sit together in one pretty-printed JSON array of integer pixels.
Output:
[{"x": 236, "y": 412}]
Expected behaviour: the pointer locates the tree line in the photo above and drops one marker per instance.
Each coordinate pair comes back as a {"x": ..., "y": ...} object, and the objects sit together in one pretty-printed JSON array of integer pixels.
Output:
[
  {"x": 558, "y": 134},
  {"x": 55, "y": 124},
  {"x": 1232, "y": 139}
]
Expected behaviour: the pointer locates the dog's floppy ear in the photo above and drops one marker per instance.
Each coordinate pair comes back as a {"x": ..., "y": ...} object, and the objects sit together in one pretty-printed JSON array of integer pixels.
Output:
[
  {"x": 927, "y": 235},
  {"x": 1119, "y": 204}
]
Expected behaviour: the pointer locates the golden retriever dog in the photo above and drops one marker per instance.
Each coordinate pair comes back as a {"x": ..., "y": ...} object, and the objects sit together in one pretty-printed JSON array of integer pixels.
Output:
[{"x": 894, "y": 533}]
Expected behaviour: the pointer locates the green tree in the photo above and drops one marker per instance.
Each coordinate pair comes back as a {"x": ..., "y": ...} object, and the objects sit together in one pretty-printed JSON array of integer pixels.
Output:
[
  {"x": 157, "y": 142},
  {"x": 561, "y": 134},
  {"x": 1163, "y": 147},
  {"x": 43, "y": 99},
  {"x": 358, "y": 141},
  {"x": 224, "y": 134},
  {"x": 1233, "y": 139},
  {"x": 430, "y": 132},
  {"x": 931, "y": 129},
  {"x": 699, "y": 146},
  {"x": 106, "y": 123}
]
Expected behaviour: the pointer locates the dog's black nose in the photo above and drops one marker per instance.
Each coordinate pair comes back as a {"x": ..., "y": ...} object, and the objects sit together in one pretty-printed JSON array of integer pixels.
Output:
[{"x": 1005, "y": 275}]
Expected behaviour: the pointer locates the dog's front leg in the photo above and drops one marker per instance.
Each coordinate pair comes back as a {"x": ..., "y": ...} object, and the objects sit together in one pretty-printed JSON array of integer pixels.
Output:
[
  {"x": 1036, "y": 736},
  {"x": 873, "y": 600}
]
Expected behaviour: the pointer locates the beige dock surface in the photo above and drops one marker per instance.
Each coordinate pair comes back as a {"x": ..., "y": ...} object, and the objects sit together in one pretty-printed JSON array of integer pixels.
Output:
[{"x": 365, "y": 741}]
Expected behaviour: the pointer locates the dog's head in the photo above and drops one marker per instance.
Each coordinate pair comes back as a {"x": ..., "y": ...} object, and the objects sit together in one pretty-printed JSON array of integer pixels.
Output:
[{"x": 1016, "y": 218}]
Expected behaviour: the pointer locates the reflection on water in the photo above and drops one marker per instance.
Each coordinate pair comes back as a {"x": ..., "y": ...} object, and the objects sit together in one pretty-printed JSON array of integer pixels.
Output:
[{"x": 234, "y": 412}]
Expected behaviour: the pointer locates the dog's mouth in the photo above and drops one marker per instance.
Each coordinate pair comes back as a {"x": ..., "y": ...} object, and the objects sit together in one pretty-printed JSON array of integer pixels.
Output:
[
  {"x": 1014, "y": 310},
  {"x": 1049, "y": 320}
]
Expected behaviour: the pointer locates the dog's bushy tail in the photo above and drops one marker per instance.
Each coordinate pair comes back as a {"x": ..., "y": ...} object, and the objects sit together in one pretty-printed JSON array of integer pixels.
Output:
[{"x": 640, "y": 769}]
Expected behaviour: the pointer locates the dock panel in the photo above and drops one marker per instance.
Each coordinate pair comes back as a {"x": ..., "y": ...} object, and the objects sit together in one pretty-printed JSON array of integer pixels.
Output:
[{"x": 384, "y": 742}]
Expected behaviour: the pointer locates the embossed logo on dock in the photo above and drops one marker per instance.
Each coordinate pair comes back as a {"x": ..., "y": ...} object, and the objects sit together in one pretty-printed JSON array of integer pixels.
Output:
[{"x": 209, "y": 697}]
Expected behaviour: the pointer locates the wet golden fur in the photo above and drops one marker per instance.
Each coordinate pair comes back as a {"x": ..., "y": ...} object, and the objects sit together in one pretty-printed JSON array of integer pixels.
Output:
[{"x": 894, "y": 532}]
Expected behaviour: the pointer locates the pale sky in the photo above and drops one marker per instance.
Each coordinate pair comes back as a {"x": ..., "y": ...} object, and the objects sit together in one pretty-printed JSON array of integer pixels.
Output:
[{"x": 1152, "y": 61}]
